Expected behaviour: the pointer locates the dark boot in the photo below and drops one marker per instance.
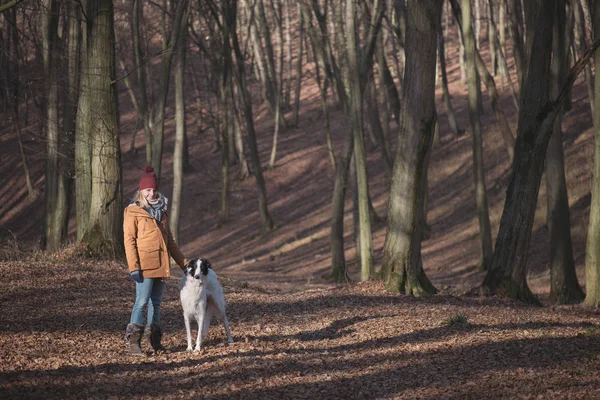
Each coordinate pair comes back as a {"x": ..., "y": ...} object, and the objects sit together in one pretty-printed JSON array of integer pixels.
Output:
[
  {"x": 133, "y": 335},
  {"x": 154, "y": 334}
]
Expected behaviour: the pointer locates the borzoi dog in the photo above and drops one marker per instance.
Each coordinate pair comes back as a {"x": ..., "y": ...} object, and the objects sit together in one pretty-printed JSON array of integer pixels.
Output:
[{"x": 201, "y": 297}]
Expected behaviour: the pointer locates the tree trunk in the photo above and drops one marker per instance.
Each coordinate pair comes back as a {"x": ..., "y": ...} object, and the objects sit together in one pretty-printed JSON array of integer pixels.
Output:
[
  {"x": 447, "y": 98},
  {"x": 402, "y": 267},
  {"x": 357, "y": 73},
  {"x": 66, "y": 145},
  {"x": 508, "y": 270},
  {"x": 564, "y": 287},
  {"x": 376, "y": 128},
  {"x": 83, "y": 130},
  {"x": 141, "y": 75},
  {"x": 52, "y": 233},
  {"x": 485, "y": 231},
  {"x": 491, "y": 31},
  {"x": 507, "y": 134},
  {"x": 592, "y": 252},
  {"x": 180, "y": 129},
  {"x": 516, "y": 30},
  {"x": 338, "y": 260},
  {"x": 298, "y": 64},
  {"x": 288, "y": 52},
  {"x": 266, "y": 221},
  {"x": 165, "y": 73},
  {"x": 581, "y": 45},
  {"x": 104, "y": 234},
  {"x": 499, "y": 40}
]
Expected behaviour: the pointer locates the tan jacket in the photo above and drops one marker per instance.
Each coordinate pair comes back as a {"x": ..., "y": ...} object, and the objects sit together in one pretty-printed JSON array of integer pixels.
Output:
[{"x": 148, "y": 243}]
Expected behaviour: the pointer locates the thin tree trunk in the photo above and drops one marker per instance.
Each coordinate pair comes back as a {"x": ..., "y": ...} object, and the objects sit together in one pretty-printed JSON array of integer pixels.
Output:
[
  {"x": 266, "y": 221},
  {"x": 581, "y": 45},
  {"x": 141, "y": 75},
  {"x": 376, "y": 128},
  {"x": 447, "y": 98},
  {"x": 180, "y": 129},
  {"x": 488, "y": 79},
  {"x": 485, "y": 232},
  {"x": 592, "y": 251},
  {"x": 338, "y": 260},
  {"x": 491, "y": 31},
  {"x": 504, "y": 66},
  {"x": 66, "y": 145},
  {"x": 165, "y": 73},
  {"x": 516, "y": 30},
  {"x": 239, "y": 142},
  {"x": 83, "y": 135},
  {"x": 357, "y": 72},
  {"x": 402, "y": 267},
  {"x": 298, "y": 63},
  {"x": 52, "y": 233},
  {"x": 288, "y": 52}
]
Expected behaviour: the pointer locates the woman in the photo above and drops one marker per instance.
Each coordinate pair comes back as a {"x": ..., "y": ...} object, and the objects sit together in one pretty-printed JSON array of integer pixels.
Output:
[{"x": 148, "y": 244}]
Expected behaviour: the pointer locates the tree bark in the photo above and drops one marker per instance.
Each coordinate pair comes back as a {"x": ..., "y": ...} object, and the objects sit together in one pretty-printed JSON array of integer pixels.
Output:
[
  {"x": 508, "y": 270},
  {"x": 592, "y": 252},
  {"x": 180, "y": 129},
  {"x": 564, "y": 287},
  {"x": 266, "y": 221},
  {"x": 141, "y": 75},
  {"x": 402, "y": 267},
  {"x": 165, "y": 73},
  {"x": 104, "y": 234},
  {"x": 488, "y": 79},
  {"x": 447, "y": 98},
  {"x": 485, "y": 231},
  {"x": 52, "y": 233},
  {"x": 516, "y": 30},
  {"x": 298, "y": 64},
  {"x": 581, "y": 45}
]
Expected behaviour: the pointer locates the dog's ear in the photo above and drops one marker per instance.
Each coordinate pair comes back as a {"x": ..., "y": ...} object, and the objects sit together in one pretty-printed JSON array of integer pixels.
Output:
[
  {"x": 204, "y": 265},
  {"x": 190, "y": 265}
]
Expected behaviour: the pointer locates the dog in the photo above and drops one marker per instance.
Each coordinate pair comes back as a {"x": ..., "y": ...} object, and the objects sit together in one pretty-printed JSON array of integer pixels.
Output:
[{"x": 201, "y": 297}]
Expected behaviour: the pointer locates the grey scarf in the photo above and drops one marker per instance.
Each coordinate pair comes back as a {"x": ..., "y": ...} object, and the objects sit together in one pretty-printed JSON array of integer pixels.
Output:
[{"x": 158, "y": 208}]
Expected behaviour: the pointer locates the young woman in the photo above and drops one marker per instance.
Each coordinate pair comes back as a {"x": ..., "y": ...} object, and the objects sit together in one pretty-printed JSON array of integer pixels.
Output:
[{"x": 148, "y": 245}]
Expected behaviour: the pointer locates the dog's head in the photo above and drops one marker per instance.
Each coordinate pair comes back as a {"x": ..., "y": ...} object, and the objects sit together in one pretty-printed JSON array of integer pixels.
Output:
[{"x": 197, "y": 268}]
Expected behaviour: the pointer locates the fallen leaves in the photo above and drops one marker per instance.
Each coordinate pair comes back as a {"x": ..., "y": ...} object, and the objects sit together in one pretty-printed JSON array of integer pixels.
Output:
[{"x": 62, "y": 337}]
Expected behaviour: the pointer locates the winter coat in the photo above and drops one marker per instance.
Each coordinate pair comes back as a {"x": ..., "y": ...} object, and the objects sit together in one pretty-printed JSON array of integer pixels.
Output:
[{"x": 149, "y": 243}]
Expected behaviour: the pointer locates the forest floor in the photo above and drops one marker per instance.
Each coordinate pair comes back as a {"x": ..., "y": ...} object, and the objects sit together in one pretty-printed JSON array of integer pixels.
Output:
[{"x": 297, "y": 334}]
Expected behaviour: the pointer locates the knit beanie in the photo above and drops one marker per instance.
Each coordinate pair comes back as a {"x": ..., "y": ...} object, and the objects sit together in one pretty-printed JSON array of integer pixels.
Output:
[{"x": 148, "y": 179}]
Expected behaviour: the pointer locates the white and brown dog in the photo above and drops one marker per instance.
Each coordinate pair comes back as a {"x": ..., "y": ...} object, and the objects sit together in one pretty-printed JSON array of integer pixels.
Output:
[{"x": 201, "y": 297}]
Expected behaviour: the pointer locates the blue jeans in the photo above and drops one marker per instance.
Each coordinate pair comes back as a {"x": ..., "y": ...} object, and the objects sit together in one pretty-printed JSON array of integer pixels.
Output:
[{"x": 150, "y": 290}]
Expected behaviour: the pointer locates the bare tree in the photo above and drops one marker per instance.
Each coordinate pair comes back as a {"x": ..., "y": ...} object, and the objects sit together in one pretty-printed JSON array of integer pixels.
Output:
[
  {"x": 240, "y": 78},
  {"x": 402, "y": 267},
  {"x": 167, "y": 58},
  {"x": 97, "y": 120}
]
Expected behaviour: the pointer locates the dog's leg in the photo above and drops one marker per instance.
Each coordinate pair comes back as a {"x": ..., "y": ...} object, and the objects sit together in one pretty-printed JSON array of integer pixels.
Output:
[
  {"x": 200, "y": 320},
  {"x": 226, "y": 323},
  {"x": 207, "y": 319},
  {"x": 188, "y": 330},
  {"x": 219, "y": 307}
]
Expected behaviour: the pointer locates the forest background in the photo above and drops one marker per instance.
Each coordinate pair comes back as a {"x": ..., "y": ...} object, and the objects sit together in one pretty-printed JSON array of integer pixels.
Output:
[{"x": 96, "y": 90}]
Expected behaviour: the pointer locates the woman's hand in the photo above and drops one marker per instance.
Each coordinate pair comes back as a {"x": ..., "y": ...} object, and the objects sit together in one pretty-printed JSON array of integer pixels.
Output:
[{"x": 136, "y": 276}]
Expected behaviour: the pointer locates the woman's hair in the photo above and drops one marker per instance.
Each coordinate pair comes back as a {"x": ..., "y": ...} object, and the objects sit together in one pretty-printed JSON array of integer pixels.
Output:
[{"x": 140, "y": 200}]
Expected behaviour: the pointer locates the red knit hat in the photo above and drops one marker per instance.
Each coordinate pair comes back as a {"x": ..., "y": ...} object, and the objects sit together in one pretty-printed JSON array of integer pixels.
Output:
[{"x": 148, "y": 179}]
